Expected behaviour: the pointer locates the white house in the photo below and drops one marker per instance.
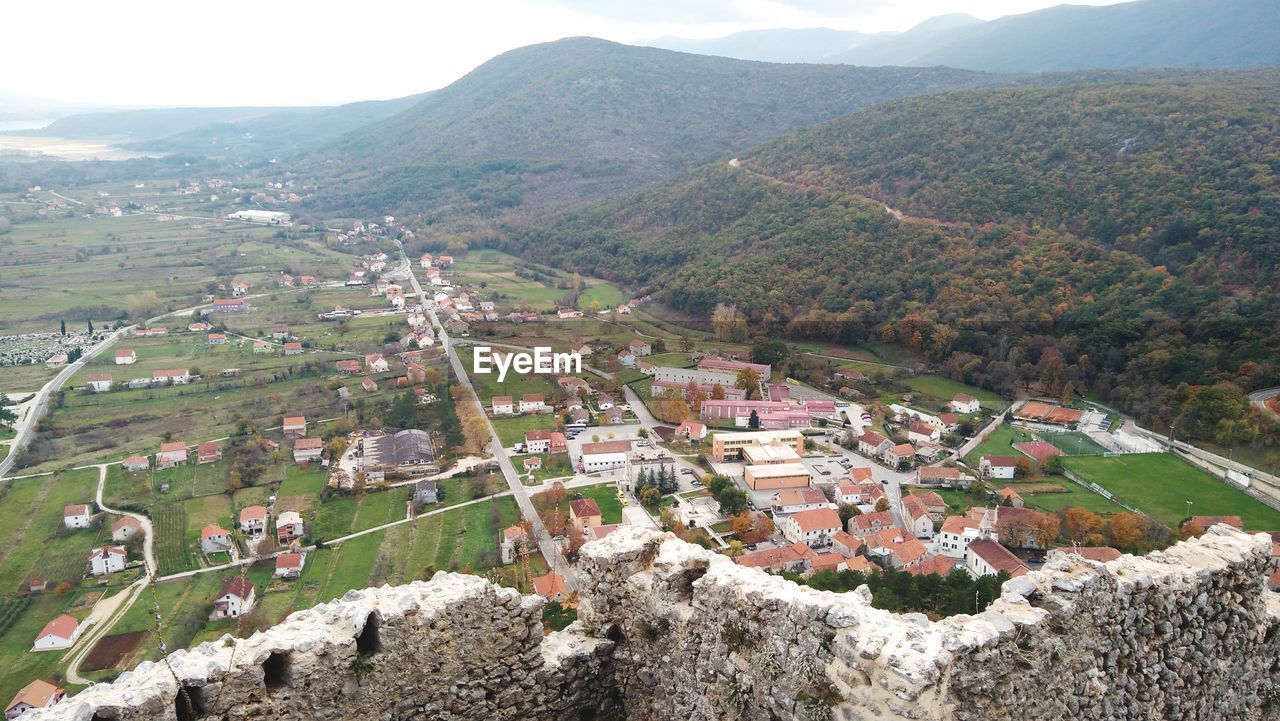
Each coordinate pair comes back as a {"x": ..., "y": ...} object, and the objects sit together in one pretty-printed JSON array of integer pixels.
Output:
[
  {"x": 922, "y": 432},
  {"x": 253, "y": 520},
  {"x": 125, "y": 528},
  {"x": 987, "y": 558},
  {"x": 59, "y": 633},
  {"x": 537, "y": 441},
  {"x": 503, "y": 406},
  {"x": 289, "y": 565},
  {"x": 916, "y": 516},
  {"x": 959, "y": 531},
  {"x": 126, "y": 357},
  {"x": 795, "y": 500},
  {"x": 77, "y": 515},
  {"x": 965, "y": 403},
  {"x": 35, "y": 695},
  {"x": 1003, "y": 467},
  {"x": 533, "y": 403},
  {"x": 173, "y": 376},
  {"x": 100, "y": 382},
  {"x": 815, "y": 527},
  {"x": 214, "y": 539},
  {"x": 289, "y": 526},
  {"x": 234, "y": 600},
  {"x": 106, "y": 559},
  {"x": 375, "y": 363}
]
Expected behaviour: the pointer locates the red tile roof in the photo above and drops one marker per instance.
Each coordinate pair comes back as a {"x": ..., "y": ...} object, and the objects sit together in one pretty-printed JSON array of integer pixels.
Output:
[
  {"x": 63, "y": 626},
  {"x": 584, "y": 507},
  {"x": 998, "y": 557}
]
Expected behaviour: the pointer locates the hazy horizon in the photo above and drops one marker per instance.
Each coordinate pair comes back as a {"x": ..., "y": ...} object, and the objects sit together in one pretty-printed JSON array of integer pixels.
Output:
[{"x": 330, "y": 56}]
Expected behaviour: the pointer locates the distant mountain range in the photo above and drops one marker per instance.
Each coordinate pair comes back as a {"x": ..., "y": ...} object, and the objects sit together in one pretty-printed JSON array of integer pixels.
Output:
[
  {"x": 280, "y": 132},
  {"x": 563, "y": 123},
  {"x": 1144, "y": 33}
]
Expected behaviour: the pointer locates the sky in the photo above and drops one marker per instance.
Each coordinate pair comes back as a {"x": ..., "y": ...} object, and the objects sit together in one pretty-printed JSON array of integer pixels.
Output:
[{"x": 325, "y": 52}]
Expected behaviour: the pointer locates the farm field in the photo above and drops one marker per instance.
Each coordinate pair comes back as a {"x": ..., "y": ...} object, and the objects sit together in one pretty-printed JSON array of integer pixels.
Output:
[
  {"x": 1161, "y": 484},
  {"x": 19, "y": 664},
  {"x": 537, "y": 288},
  {"x": 80, "y": 268},
  {"x": 35, "y": 544}
]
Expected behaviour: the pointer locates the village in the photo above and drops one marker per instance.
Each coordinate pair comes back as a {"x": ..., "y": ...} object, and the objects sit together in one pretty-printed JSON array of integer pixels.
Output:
[{"x": 294, "y": 433}]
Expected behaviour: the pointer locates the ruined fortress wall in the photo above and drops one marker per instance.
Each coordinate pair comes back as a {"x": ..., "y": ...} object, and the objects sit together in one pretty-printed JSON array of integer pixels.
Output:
[
  {"x": 455, "y": 647},
  {"x": 1189, "y": 633},
  {"x": 674, "y": 631}
]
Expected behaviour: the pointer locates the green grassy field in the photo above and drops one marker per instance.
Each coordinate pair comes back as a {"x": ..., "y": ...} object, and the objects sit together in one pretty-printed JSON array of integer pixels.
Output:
[
  {"x": 1074, "y": 496},
  {"x": 512, "y": 430},
  {"x": 999, "y": 443},
  {"x": 1161, "y": 484},
  {"x": 606, "y": 497},
  {"x": 35, "y": 542},
  {"x": 599, "y": 296},
  {"x": 942, "y": 390}
]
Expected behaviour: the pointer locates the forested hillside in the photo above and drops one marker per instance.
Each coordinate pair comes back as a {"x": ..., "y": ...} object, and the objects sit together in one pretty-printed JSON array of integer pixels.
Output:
[
  {"x": 278, "y": 133},
  {"x": 563, "y": 123},
  {"x": 1112, "y": 240}
]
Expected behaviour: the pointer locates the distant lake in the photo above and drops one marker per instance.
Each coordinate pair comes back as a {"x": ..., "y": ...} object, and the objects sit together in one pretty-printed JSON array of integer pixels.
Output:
[
  {"x": 6, "y": 125},
  {"x": 33, "y": 146}
]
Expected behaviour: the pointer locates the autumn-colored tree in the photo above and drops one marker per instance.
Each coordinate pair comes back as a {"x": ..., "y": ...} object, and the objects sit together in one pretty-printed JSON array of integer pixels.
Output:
[
  {"x": 748, "y": 379},
  {"x": 729, "y": 325},
  {"x": 1081, "y": 524},
  {"x": 741, "y": 524},
  {"x": 882, "y": 505},
  {"x": 1046, "y": 530},
  {"x": 1127, "y": 530},
  {"x": 1190, "y": 529},
  {"x": 717, "y": 392},
  {"x": 735, "y": 549}
]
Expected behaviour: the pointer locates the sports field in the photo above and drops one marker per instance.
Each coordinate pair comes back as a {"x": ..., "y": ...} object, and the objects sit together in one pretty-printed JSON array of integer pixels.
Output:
[
  {"x": 1074, "y": 443},
  {"x": 1161, "y": 485}
]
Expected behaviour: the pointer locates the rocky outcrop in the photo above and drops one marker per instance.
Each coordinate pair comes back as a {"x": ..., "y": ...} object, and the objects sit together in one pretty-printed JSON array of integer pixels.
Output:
[{"x": 669, "y": 630}]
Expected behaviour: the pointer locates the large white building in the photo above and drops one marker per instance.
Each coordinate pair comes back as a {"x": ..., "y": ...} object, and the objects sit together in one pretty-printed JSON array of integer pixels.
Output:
[
  {"x": 264, "y": 217},
  {"x": 604, "y": 455}
]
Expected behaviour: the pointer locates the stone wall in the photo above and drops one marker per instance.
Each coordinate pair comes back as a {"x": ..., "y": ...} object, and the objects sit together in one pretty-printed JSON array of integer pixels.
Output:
[
  {"x": 672, "y": 631},
  {"x": 455, "y": 647},
  {"x": 1189, "y": 633}
]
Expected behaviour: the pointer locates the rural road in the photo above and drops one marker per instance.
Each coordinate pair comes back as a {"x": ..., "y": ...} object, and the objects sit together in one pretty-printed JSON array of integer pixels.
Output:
[
  {"x": 1260, "y": 398},
  {"x": 25, "y": 427},
  {"x": 546, "y": 545},
  {"x": 148, "y": 540},
  {"x": 106, "y": 613}
]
